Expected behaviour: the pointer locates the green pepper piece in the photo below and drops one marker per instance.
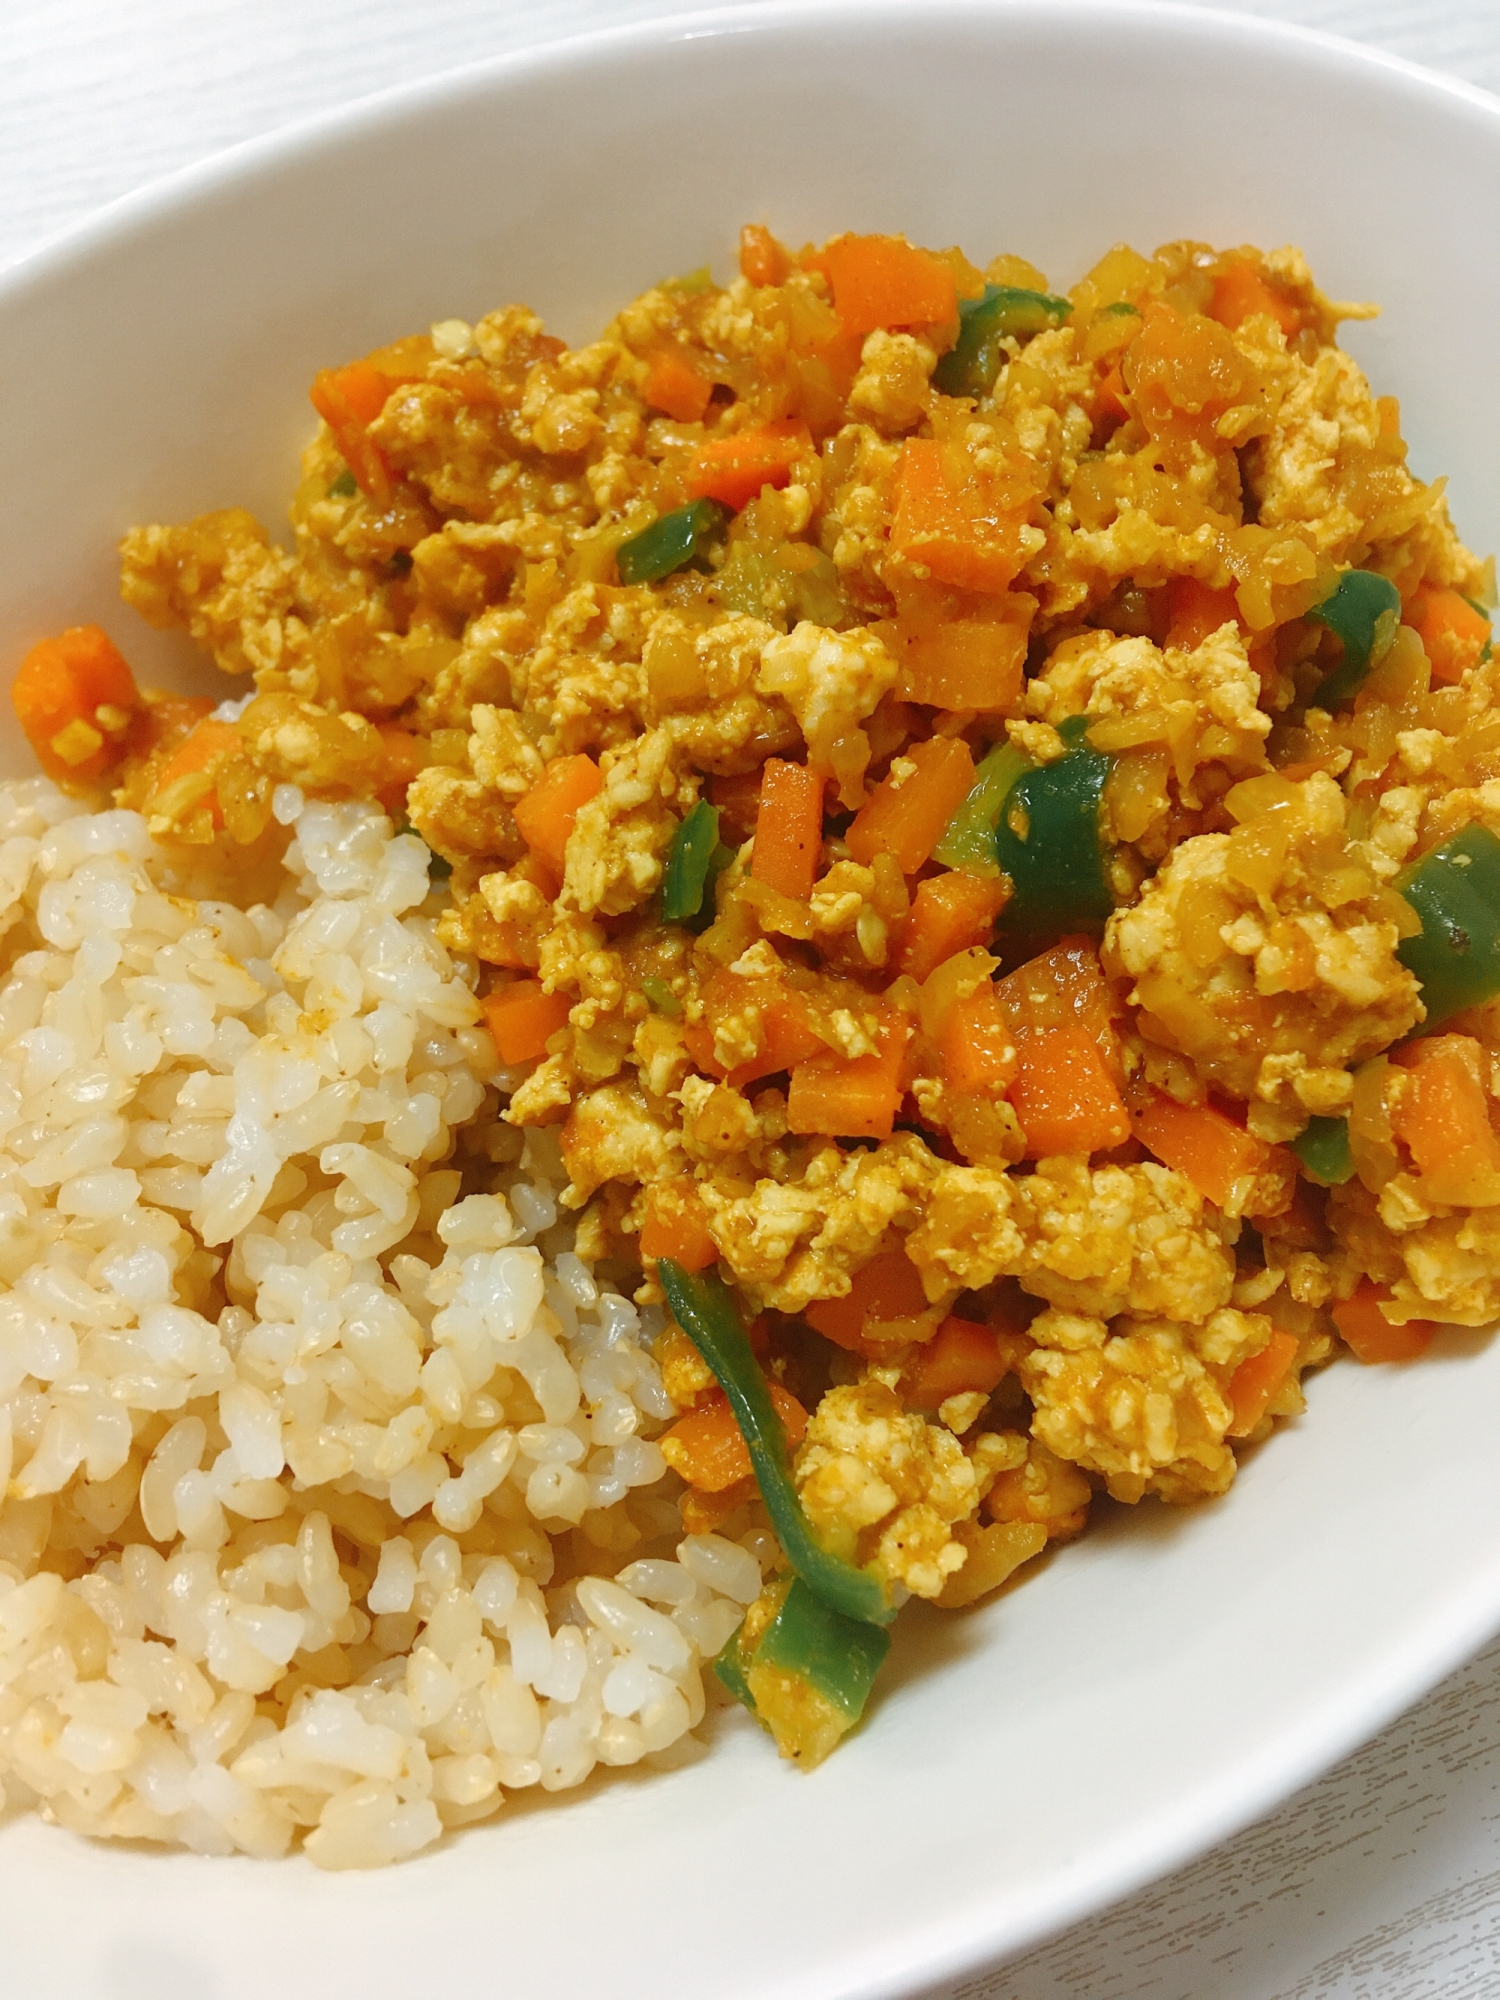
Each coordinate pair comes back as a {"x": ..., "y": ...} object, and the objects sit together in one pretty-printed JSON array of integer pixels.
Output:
[
  {"x": 1455, "y": 891},
  {"x": 703, "y": 1308},
  {"x": 1323, "y": 1149},
  {"x": 838, "y": 1657},
  {"x": 732, "y": 1664},
  {"x": 1121, "y": 309},
  {"x": 660, "y": 998},
  {"x": 686, "y": 873},
  {"x": 1048, "y": 843},
  {"x": 672, "y": 541},
  {"x": 1364, "y": 610},
  {"x": 974, "y": 360},
  {"x": 968, "y": 840},
  {"x": 344, "y": 487},
  {"x": 691, "y": 283}
]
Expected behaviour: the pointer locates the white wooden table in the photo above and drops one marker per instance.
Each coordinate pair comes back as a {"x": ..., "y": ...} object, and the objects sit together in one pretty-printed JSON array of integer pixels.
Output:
[{"x": 1381, "y": 1882}]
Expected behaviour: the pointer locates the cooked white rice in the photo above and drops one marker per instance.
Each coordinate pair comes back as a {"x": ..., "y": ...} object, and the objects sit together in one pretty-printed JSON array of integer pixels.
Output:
[{"x": 325, "y": 1462}]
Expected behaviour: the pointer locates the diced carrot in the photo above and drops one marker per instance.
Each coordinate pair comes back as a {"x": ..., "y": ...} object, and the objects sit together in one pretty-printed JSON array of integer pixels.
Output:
[
  {"x": 886, "y": 1290},
  {"x": 1199, "y": 1140},
  {"x": 787, "y": 1036},
  {"x": 734, "y": 469},
  {"x": 349, "y": 399},
  {"x": 674, "y": 385},
  {"x": 706, "y": 1445},
  {"x": 699, "y": 1038},
  {"x": 1442, "y": 1117},
  {"x": 949, "y": 913},
  {"x": 1061, "y": 987},
  {"x": 1064, "y": 1095},
  {"x": 202, "y": 750},
  {"x": 1370, "y": 1336},
  {"x": 960, "y": 1358},
  {"x": 1194, "y": 612},
  {"x": 762, "y": 259},
  {"x": 404, "y": 757},
  {"x": 521, "y": 1017},
  {"x": 1240, "y": 292},
  {"x": 787, "y": 1039},
  {"x": 959, "y": 536},
  {"x": 881, "y": 281},
  {"x": 847, "y": 1097},
  {"x": 676, "y": 1226},
  {"x": 167, "y": 718},
  {"x": 977, "y": 1048},
  {"x": 1109, "y": 398},
  {"x": 546, "y": 813},
  {"x": 76, "y": 700},
  {"x": 905, "y": 815},
  {"x": 1256, "y": 1381},
  {"x": 967, "y": 663},
  {"x": 1453, "y": 634},
  {"x": 788, "y": 828}
]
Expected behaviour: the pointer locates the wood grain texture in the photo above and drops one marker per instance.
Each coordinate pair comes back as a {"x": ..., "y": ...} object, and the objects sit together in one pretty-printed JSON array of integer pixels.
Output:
[{"x": 1381, "y": 1882}]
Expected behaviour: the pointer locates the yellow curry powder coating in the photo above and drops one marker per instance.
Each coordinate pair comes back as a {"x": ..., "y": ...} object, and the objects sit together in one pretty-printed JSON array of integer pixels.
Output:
[{"x": 1125, "y": 533}]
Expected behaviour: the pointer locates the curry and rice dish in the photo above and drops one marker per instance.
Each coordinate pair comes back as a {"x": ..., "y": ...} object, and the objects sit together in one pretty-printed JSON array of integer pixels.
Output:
[{"x": 820, "y": 932}]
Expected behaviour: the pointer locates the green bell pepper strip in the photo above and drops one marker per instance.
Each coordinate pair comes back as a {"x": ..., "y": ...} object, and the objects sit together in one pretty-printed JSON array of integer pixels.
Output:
[
  {"x": 1048, "y": 843},
  {"x": 968, "y": 840},
  {"x": 1455, "y": 891},
  {"x": 1364, "y": 610},
  {"x": 974, "y": 360},
  {"x": 838, "y": 1657},
  {"x": 702, "y": 1307},
  {"x": 670, "y": 543},
  {"x": 731, "y": 1666},
  {"x": 1323, "y": 1149},
  {"x": 685, "y": 876}
]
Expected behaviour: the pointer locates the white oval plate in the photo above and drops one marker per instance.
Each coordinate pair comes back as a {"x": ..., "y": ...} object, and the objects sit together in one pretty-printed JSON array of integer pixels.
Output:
[{"x": 1148, "y": 1692}]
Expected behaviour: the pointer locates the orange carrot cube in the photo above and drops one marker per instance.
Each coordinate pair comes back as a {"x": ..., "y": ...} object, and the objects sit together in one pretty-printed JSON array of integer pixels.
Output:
[
  {"x": 676, "y": 1226},
  {"x": 788, "y": 828},
  {"x": 522, "y": 1018},
  {"x": 1453, "y": 633},
  {"x": 58, "y": 693},
  {"x": 1065, "y": 1097},
  {"x": 1370, "y": 1335},
  {"x": 847, "y": 1097},
  {"x": 888, "y": 1288},
  {"x": 965, "y": 664},
  {"x": 1256, "y": 1381},
  {"x": 762, "y": 259},
  {"x": 706, "y": 1445},
  {"x": 956, "y": 534},
  {"x": 733, "y": 469},
  {"x": 1443, "y": 1118},
  {"x": 949, "y": 913},
  {"x": 978, "y": 1051},
  {"x": 546, "y": 814},
  {"x": 674, "y": 385},
  {"x": 1240, "y": 292},
  {"x": 905, "y": 815},
  {"x": 1199, "y": 1140},
  {"x": 960, "y": 1358},
  {"x": 883, "y": 281}
]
